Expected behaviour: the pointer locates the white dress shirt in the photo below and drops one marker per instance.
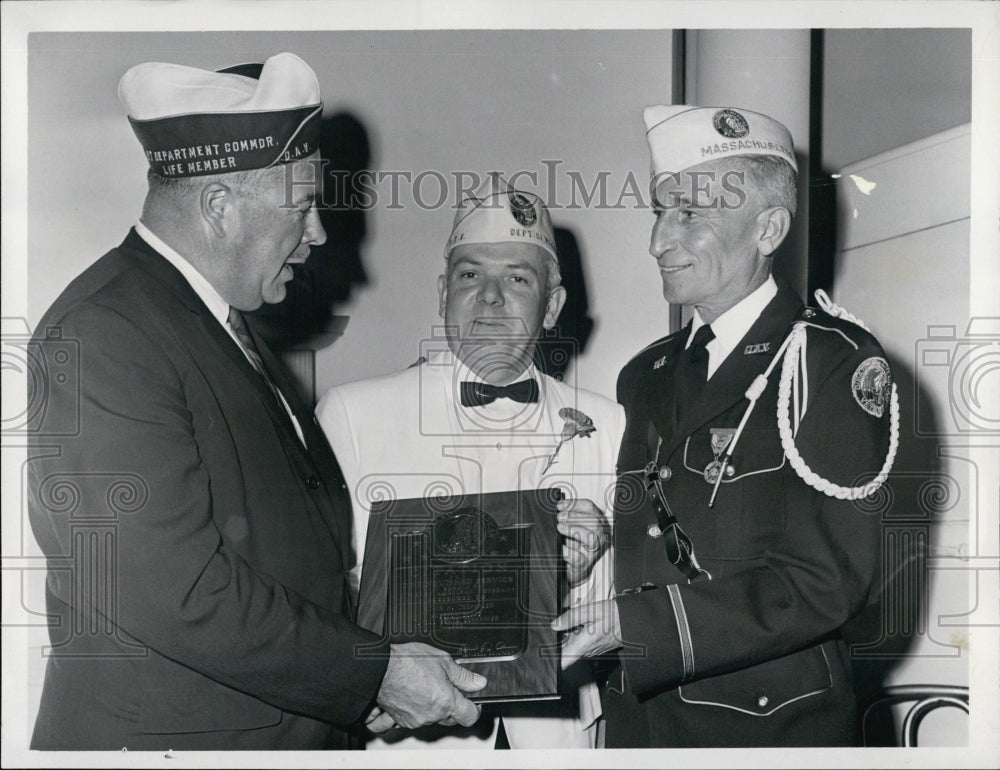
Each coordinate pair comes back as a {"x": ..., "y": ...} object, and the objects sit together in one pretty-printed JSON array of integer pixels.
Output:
[
  {"x": 216, "y": 305},
  {"x": 732, "y": 326}
]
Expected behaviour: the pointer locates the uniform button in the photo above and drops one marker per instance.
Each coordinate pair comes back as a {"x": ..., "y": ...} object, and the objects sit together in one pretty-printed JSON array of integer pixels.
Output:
[
  {"x": 343, "y": 485},
  {"x": 808, "y": 313},
  {"x": 312, "y": 482},
  {"x": 654, "y": 531},
  {"x": 666, "y": 473},
  {"x": 762, "y": 701}
]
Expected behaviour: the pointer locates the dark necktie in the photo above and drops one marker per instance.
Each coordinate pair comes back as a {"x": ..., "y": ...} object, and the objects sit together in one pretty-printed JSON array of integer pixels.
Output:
[
  {"x": 239, "y": 327},
  {"x": 482, "y": 393},
  {"x": 692, "y": 369}
]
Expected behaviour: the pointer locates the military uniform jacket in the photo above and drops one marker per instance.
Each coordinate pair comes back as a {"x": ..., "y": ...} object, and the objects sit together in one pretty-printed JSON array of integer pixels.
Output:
[
  {"x": 196, "y": 549},
  {"x": 751, "y": 656}
]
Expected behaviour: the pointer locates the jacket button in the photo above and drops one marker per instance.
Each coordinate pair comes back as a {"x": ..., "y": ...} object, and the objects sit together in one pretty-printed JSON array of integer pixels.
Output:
[
  {"x": 654, "y": 531},
  {"x": 312, "y": 482},
  {"x": 762, "y": 701},
  {"x": 665, "y": 473}
]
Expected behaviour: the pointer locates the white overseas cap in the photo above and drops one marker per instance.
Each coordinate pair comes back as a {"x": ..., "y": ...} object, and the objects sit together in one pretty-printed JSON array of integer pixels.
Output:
[
  {"x": 681, "y": 136},
  {"x": 497, "y": 213}
]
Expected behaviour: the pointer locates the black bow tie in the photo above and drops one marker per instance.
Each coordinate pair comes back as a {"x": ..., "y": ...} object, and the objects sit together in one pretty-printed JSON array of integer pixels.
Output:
[{"x": 482, "y": 393}]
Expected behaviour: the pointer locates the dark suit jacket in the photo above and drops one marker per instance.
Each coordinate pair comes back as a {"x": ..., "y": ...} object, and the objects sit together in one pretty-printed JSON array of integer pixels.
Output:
[
  {"x": 196, "y": 550},
  {"x": 751, "y": 657}
]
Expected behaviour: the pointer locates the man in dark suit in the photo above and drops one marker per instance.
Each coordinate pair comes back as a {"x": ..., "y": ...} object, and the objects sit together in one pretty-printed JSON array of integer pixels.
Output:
[
  {"x": 195, "y": 521},
  {"x": 740, "y": 551}
]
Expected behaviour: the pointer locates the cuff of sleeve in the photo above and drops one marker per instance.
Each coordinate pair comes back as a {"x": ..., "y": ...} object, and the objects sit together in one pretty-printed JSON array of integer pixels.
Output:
[
  {"x": 370, "y": 660},
  {"x": 657, "y": 652}
]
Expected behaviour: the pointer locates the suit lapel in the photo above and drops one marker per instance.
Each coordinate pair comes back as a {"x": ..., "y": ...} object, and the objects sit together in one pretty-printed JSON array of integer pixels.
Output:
[
  {"x": 219, "y": 342},
  {"x": 316, "y": 457},
  {"x": 159, "y": 268},
  {"x": 660, "y": 391}
]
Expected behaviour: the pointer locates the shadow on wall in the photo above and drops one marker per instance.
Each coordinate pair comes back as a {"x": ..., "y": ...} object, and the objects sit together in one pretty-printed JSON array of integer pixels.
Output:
[
  {"x": 571, "y": 334},
  {"x": 918, "y": 493},
  {"x": 916, "y": 496},
  {"x": 336, "y": 268}
]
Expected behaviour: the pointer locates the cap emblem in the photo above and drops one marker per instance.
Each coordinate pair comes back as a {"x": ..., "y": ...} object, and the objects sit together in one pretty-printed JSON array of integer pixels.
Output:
[
  {"x": 523, "y": 210},
  {"x": 730, "y": 124}
]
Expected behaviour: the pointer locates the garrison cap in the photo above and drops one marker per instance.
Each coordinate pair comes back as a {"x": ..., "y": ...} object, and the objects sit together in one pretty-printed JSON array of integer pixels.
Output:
[
  {"x": 681, "y": 136},
  {"x": 497, "y": 213},
  {"x": 194, "y": 122}
]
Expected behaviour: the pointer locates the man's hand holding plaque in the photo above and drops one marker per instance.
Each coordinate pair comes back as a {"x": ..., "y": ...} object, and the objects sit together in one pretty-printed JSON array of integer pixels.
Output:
[
  {"x": 586, "y": 536},
  {"x": 592, "y": 630},
  {"x": 423, "y": 685}
]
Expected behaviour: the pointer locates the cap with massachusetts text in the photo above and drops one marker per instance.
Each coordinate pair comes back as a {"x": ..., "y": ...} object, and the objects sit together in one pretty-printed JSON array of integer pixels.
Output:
[{"x": 681, "y": 136}]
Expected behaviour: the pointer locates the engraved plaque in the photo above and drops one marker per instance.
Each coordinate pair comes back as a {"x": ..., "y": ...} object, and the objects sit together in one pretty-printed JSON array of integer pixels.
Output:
[{"x": 477, "y": 576}]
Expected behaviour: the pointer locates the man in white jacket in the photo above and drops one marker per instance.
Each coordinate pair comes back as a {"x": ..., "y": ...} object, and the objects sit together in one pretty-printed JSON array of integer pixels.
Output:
[{"x": 477, "y": 416}]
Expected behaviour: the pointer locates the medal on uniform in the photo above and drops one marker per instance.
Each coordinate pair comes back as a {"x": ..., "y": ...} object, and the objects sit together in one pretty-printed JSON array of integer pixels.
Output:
[{"x": 720, "y": 440}]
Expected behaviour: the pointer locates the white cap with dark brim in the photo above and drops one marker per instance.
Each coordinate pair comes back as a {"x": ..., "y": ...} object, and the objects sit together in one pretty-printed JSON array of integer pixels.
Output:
[{"x": 194, "y": 122}]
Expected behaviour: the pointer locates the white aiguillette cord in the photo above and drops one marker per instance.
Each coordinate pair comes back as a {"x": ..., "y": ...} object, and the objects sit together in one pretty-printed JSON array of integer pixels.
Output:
[{"x": 793, "y": 354}]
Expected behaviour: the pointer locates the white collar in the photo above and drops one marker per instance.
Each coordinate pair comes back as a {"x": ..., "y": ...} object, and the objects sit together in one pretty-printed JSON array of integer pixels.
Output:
[
  {"x": 205, "y": 291},
  {"x": 732, "y": 326}
]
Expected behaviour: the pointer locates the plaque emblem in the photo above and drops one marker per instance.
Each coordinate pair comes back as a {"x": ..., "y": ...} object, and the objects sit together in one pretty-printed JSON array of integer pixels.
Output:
[
  {"x": 460, "y": 536},
  {"x": 523, "y": 210},
  {"x": 730, "y": 124},
  {"x": 871, "y": 385}
]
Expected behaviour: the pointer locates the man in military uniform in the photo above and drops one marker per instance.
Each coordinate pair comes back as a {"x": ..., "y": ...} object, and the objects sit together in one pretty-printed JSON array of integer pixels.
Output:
[
  {"x": 477, "y": 416},
  {"x": 739, "y": 551}
]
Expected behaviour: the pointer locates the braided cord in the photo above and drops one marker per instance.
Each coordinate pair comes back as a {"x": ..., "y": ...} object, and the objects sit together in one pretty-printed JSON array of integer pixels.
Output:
[{"x": 813, "y": 479}]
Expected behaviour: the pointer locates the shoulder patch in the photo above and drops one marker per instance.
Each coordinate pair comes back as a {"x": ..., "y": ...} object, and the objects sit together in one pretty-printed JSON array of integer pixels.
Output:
[{"x": 871, "y": 385}]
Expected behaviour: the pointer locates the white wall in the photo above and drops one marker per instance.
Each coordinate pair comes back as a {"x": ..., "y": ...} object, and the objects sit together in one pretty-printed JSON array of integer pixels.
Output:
[
  {"x": 887, "y": 87},
  {"x": 433, "y": 101}
]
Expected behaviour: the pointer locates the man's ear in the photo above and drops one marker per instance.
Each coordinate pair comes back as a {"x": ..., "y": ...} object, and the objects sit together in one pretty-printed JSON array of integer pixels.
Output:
[
  {"x": 217, "y": 208},
  {"x": 773, "y": 225},
  {"x": 554, "y": 306},
  {"x": 442, "y": 294}
]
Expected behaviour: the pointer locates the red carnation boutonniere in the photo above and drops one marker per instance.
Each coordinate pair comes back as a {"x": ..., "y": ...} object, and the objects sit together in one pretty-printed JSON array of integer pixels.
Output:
[{"x": 577, "y": 424}]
